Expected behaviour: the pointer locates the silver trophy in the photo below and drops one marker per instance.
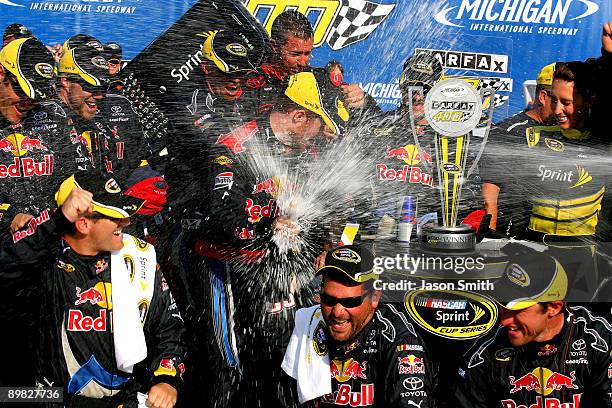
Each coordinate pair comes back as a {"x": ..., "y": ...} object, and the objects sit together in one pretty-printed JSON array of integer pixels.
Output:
[{"x": 455, "y": 110}]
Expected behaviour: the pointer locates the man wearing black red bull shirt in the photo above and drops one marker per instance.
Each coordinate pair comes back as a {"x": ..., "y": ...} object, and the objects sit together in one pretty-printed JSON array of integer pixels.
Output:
[
  {"x": 37, "y": 151},
  {"x": 108, "y": 126},
  {"x": 233, "y": 241},
  {"x": 546, "y": 353},
  {"x": 100, "y": 348},
  {"x": 405, "y": 165},
  {"x": 376, "y": 357}
]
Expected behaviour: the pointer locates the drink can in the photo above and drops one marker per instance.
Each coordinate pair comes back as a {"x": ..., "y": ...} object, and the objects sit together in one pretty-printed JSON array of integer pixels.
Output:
[{"x": 408, "y": 219}]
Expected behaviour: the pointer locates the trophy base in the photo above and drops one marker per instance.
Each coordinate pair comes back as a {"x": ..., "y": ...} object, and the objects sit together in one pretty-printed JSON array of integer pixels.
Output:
[{"x": 460, "y": 239}]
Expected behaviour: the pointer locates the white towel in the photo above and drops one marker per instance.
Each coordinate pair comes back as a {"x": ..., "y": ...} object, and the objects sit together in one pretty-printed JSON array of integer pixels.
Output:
[
  {"x": 129, "y": 339},
  {"x": 304, "y": 360}
]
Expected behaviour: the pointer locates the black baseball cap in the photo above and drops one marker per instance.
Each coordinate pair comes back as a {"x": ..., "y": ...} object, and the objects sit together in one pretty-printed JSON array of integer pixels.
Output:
[
  {"x": 355, "y": 262},
  {"x": 85, "y": 56},
  {"x": 421, "y": 70},
  {"x": 108, "y": 196},
  {"x": 312, "y": 89},
  {"x": 16, "y": 31},
  {"x": 31, "y": 63},
  {"x": 530, "y": 277},
  {"x": 230, "y": 51},
  {"x": 113, "y": 51}
]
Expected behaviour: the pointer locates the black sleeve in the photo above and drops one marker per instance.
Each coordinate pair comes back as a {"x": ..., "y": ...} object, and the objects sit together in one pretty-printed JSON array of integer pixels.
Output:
[
  {"x": 34, "y": 242},
  {"x": 165, "y": 337}
]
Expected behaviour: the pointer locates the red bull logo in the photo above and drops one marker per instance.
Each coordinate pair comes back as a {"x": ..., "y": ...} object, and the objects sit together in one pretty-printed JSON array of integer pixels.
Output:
[
  {"x": 32, "y": 144},
  {"x": 27, "y": 167},
  {"x": 542, "y": 402},
  {"x": 270, "y": 186},
  {"x": 91, "y": 295},
  {"x": 409, "y": 154},
  {"x": 343, "y": 371},
  {"x": 413, "y": 175},
  {"x": 6, "y": 146},
  {"x": 410, "y": 365},
  {"x": 257, "y": 212},
  {"x": 20, "y": 145},
  {"x": 543, "y": 381},
  {"x": 32, "y": 225},
  {"x": 363, "y": 398},
  {"x": 80, "y": 323},
  {"x": 528, "y": 382}
]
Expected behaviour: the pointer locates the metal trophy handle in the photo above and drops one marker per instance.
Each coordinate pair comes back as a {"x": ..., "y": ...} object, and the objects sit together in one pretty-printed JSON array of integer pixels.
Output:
[{"x": 453, "y": 109}]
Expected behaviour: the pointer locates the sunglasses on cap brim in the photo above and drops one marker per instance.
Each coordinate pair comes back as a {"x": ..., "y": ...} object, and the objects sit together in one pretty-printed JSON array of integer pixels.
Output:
[
  {"x": 87, "y": 87},
  {"x": 348, "y": 302}
]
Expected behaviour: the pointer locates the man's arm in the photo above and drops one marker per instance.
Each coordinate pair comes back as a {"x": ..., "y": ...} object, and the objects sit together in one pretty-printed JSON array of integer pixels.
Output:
[
  {"x": 167, "y": 349},
  {"x": 490, "y": 194},
  {"x": 31, "y": 243}
]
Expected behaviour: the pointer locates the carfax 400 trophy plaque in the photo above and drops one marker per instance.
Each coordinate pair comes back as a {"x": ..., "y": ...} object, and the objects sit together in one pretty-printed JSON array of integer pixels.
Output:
[{"x": 455, "y": 110}]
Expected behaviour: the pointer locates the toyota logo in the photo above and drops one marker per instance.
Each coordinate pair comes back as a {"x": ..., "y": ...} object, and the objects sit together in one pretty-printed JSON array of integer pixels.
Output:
[
  {"x": 116, "y": 109},
  {"x": 40, "y": 115},
  {"x": 579, "y": 345},
  {"x": 413, "y": 383}
]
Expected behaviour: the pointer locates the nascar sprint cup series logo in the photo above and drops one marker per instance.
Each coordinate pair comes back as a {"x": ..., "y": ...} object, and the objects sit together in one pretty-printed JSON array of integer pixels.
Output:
[{"x": 340, "y": 23}]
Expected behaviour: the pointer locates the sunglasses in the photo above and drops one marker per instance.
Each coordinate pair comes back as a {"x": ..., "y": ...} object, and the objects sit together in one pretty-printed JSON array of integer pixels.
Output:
[
  {"x": 114, "y": 61},
  {"x": 348, "y": 302},
  {"x": 87, "y": 87}
]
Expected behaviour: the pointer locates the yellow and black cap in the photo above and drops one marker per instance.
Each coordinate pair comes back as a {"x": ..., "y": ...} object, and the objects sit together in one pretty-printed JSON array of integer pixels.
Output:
[
  {"x": 530, "y": 278},
  {"x": 546, "y": 75},
  {"x": 108, "y": 197},
  {"x": 421, "y": 70},
  {"x": 31, "y": 63},
  {"x": 228, "y": 50},
  {"x": 313, "y": 90},
  {"x": 15, "y": 31},
  {"x": 351, "y": 261},
  {"x": 85, "y": 57}
]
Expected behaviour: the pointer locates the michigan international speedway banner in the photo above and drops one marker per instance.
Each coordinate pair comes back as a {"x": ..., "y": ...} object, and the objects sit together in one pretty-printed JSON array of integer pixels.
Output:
[{"x": 503, "y": 42}]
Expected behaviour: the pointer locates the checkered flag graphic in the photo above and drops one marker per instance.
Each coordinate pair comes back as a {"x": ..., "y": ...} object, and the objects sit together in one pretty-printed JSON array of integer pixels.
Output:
[
  {"x": 493, "y": 83},
  {"x": 355, "y": 21}
]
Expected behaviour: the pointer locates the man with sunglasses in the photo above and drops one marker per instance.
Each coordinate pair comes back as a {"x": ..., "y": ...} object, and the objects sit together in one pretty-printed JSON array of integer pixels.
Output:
[
  {"x": 107, "y": 124},
  {"x": 37, "y": 152},
  {"x": 376, "y": 356},
  {"x": 109, "y": 328}
]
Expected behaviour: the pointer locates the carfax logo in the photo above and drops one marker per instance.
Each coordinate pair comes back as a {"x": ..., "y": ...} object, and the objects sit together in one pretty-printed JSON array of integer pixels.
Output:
[
  {"x": 522, "y": 16},
  {"x": 340, "y": 23}
]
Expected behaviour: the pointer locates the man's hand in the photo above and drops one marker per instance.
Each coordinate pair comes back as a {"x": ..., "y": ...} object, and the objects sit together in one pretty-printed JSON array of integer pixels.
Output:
[
  {"x": 19, "y": 221},
  {"x": 606, "y": 36},
  {"x": 77, "y": 203},
  {"x": 354, "y": 97},
  {"x": 162, "y": 395}
]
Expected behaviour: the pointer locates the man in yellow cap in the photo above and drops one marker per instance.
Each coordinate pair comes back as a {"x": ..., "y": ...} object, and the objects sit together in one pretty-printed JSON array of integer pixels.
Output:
[
  {"x": 229, "y": 222},
  {"x": 109, "y": 328},
  {"x": 107, "y": 124},
  {"x": 546, "y": 352},
  {"x": 515, "y": 127}
]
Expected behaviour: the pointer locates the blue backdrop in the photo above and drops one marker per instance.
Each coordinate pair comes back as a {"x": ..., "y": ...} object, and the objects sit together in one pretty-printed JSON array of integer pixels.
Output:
[{"x": 505, "y": 41}]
